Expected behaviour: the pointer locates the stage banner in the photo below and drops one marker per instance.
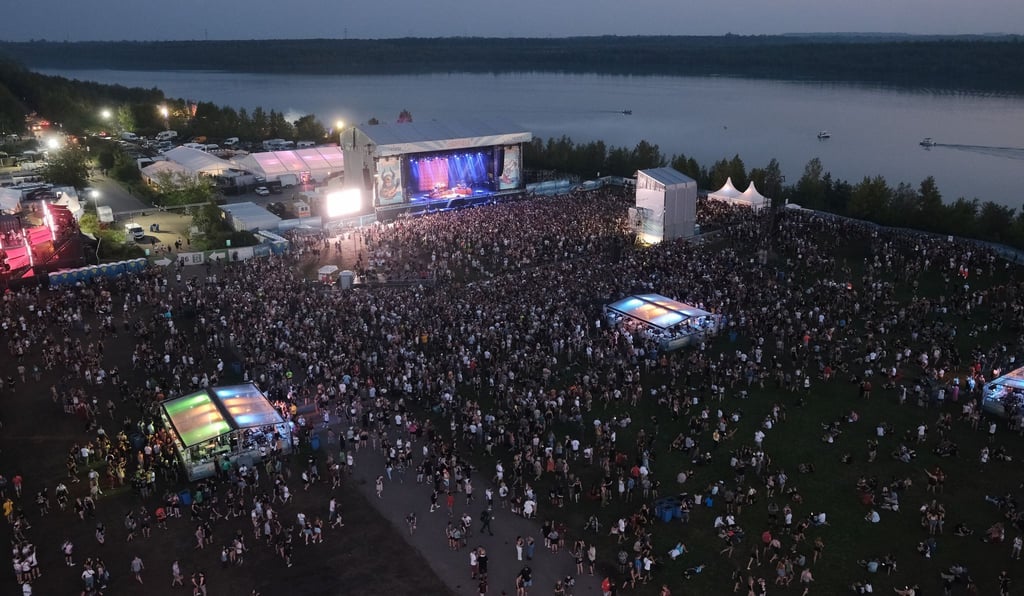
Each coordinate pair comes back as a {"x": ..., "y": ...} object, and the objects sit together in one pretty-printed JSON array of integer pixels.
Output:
[
  {"x": 389, "y": 181},
  {"x": 510, "y": 170}
]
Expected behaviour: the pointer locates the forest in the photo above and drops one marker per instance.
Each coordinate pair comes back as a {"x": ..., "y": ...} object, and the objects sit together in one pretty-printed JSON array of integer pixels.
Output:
[{"x": 992, "y": 63}]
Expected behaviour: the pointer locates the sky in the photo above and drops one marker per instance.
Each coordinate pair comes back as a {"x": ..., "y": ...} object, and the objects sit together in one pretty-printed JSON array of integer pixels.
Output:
[{"x": 92, "y": 20}]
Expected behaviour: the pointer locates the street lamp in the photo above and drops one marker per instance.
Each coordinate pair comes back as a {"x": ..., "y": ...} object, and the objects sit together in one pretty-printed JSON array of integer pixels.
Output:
[
  {"x": 166, "y": 114},
  {"x": 105, "y": 114}
]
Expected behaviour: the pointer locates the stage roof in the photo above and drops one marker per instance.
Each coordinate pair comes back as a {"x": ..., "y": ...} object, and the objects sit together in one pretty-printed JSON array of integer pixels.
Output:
[
  {"x": 656, "y": 310},
  {"x": 430, "y": 136},
  {"x": 210, "y": 413},
  {"x": 315, "y": 160}
]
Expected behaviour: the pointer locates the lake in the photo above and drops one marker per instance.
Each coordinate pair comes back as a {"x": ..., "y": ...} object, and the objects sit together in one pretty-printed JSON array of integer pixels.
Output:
[{"x": 980, "y": 151}]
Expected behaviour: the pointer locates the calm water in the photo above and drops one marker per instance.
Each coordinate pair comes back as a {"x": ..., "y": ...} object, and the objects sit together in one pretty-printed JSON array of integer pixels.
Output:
[{"x": 874, "y": 131}]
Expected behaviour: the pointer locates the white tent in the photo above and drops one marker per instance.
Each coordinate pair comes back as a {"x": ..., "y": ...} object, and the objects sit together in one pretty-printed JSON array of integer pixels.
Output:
[
  {"x": 753, "y": 198},
  {"x": 196, "y": 161},
  {"x": 727, "y": 193},
  {"x": 318, "y": 162},
  {"x": 152, "y": 171}
]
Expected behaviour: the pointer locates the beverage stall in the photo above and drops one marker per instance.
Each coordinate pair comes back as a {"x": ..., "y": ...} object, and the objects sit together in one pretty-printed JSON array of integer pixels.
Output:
[{"x": 235, "y": 423}]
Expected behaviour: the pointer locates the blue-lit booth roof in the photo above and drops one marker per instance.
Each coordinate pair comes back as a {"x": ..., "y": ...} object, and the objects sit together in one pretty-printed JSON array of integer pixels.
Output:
[
  {"x": 656, "y": 310},
  {"x": 998, "y": 390},
  {"x": 212, "y": 412}
]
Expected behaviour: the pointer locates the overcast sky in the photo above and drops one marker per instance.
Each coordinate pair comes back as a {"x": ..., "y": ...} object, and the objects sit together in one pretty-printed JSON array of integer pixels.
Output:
[{"x": 80, "y": 20}]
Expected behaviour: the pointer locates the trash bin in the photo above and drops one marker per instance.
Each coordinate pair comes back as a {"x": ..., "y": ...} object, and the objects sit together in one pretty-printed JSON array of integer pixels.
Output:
[
  {"x": 236, "y": 367},
  {"x": 666, "y": 514},
  {"x": 185, "y": 497},
  {"x": 314, "y": 443}
]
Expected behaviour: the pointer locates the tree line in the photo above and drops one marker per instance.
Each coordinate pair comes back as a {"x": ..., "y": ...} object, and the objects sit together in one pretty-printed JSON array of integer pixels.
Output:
[
  {"x": 993, "y": 63},
  {"x": 872, "y": 199}
]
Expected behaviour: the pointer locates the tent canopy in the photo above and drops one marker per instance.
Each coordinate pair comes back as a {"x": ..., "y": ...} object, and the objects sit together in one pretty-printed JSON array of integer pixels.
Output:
[
  {"x": 728, "y": 192},
  {"x": 196, "y": 161},
  {"x": 317, "y": 161},
  {"x": 10, "y": 199},
  {"x": 754, "y": 198},
  {"x": 210, "y": 413},
  {"x": 656, "y": 310},
  {"x": 153, "y": 170}
]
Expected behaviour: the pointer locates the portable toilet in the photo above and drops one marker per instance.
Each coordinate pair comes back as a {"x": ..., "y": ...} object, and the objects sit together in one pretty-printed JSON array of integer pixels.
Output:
[{"x": 345, "y": 279}]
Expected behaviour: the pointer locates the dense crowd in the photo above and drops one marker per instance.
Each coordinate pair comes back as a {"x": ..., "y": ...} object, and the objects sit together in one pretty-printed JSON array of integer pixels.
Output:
[{"x": 509, "y": 346}]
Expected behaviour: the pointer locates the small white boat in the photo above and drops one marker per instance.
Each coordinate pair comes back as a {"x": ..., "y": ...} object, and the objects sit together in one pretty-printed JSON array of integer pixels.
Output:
[
  {"x": 824, "y": 135},
  {"x": 927, "y": 142}
]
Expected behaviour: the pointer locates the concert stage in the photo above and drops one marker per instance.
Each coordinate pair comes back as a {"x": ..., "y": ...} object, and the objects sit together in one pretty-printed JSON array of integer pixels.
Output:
[
  {"x": 27, "y": 252},
  {"x": 426, "y": 166}
]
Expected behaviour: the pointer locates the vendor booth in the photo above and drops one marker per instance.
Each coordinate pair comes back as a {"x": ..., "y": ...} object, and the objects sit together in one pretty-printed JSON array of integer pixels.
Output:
[
  {"x": 673, "y": 324},
  {"x": 234, "y": 424},
  {"x": 1004, "y": 396}
]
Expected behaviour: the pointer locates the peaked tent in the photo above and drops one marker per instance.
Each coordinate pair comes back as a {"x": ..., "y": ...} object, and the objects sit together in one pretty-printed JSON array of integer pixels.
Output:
[
  {"x": 753, "y": 198},
  {"x": 196, "y": 161},
  {"x": 727, "y": 193}
]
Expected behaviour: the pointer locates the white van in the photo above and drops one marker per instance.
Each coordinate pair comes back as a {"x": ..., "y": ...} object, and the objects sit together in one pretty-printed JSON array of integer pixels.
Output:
[
  {"x": 305, "y": 144},
  {"x": 133, "y": 232},
  {"x": 129, "y": 136},
  {"x": 166, "y": 135},
  {"x": 230, "y": 142}
]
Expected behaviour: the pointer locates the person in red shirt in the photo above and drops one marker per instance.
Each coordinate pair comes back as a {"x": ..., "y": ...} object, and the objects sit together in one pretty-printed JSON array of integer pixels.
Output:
[{"x": 606, "y": 586}]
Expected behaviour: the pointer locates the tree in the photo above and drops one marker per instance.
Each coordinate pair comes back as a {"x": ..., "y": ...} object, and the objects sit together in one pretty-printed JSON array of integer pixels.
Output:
[
  {"x": 871, "y": 199},
  {"x": 124, "y": 119},
  {"x": 930, "y": 209},
  {"x": 810, "y": 189},
  {"x": 279, "y": 128},
  {"x": 995, "y": 222},
  {"x": 69, "y": 167},
  {"x": 106, "y": 160},
  {"x": 309, "y": 128},
  {"x": 183, "y": 189}
]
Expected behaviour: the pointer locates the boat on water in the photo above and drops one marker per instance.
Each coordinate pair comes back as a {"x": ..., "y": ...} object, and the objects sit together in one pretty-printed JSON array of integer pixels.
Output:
[
  {"x": 927, "y": 142},
  {"x": 627, "y": 112},
  {"x": 824, "y": 134}
]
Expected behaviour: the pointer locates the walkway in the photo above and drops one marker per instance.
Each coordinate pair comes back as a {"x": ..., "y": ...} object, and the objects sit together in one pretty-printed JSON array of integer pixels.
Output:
[{"x": 399, "y": 499}]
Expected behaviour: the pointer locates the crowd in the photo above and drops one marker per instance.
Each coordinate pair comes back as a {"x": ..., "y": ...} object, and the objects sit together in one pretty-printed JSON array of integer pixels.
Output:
[{"x": 507, "y": 352}]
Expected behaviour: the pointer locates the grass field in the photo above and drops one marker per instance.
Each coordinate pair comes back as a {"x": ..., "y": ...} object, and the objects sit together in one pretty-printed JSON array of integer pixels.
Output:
[{"x": 832, "y": 487}]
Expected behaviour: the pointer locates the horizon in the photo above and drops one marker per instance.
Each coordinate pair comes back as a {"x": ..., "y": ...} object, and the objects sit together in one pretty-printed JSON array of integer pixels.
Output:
[
  {"x": 193, "y": 20},
  {"x": 793, "y": 34}
]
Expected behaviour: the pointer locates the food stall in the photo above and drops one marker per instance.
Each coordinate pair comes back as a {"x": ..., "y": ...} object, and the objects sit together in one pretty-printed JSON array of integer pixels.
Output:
[
  {"x": 672, "y": 324},
  {"x": 236, "y": 423}
]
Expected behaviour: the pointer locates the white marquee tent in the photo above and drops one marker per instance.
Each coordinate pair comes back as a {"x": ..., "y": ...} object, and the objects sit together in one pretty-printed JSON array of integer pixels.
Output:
[
  {"x": 754, "y": 199},
  {"x": 727, "y": 193},
  {"x": 750, "y": 197},
  {"x": 318, "y": 162},
  {"x": 151, "y": 172},
  {"x": 197, "y": 162}
]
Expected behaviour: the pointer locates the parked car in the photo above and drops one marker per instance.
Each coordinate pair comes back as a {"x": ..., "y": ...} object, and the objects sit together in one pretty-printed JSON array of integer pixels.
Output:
[
  {"x": 262, "y": 191},
  {"x": 276, "y": 208}
]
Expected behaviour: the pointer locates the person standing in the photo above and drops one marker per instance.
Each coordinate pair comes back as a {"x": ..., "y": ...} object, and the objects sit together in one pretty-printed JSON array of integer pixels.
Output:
[
  {"x": 137, "y": 568},
  {"x": 481, "y": 563},
  {"x": 485, "y": 518},
  {"x": 380, "y": 487},
  {"x": 177, "y": 579},
  {"x": 199, "y": 583},
  {"x": 68, "y": 549}
]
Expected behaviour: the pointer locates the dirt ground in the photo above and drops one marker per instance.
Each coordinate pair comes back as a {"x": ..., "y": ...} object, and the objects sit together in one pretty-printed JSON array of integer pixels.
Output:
[{"x": 366, "y": 556}]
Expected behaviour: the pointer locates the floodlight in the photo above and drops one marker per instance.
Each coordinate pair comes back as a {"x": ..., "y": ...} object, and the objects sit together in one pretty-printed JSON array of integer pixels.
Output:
[{"x": 344, "y": 202}]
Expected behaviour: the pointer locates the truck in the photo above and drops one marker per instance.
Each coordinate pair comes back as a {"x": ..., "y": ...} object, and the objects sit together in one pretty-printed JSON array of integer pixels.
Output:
[
  {"x": 133, "y": 232},
  {"x": 288, "y": 180},
  {"x": 105, "y": 214},
  {"x": 298, "y": 209}
]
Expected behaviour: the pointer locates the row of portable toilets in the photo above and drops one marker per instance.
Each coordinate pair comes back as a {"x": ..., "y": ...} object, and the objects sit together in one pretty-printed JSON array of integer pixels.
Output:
[{"x": 70, "y": 277}]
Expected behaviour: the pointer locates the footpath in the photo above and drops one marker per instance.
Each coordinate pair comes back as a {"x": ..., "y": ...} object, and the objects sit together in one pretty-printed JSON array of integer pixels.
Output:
[{"x": 402, "y": 497}]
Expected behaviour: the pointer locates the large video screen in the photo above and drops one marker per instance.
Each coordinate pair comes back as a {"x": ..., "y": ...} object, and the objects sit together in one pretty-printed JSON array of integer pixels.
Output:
[
  {"x": 511, "y": 169},
  {"x": 389, "y": 181}
]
